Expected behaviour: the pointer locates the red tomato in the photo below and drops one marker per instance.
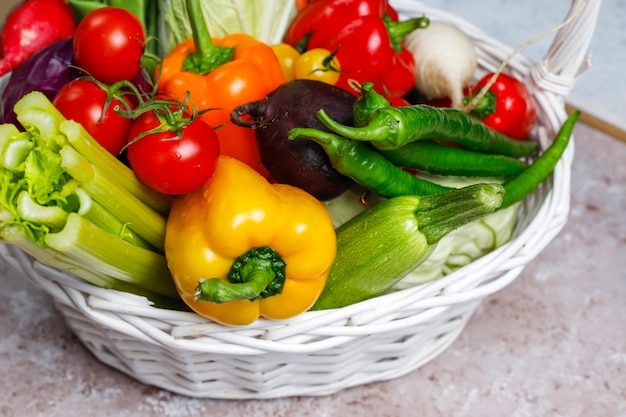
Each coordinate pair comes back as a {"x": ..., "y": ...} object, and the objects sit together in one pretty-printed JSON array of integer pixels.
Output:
[
  {"x": 173, "y": 165},
  {"x": 510, "y": 109},
  {"x": 109, "y": 43},
  {"x": 83, "y": 101}
]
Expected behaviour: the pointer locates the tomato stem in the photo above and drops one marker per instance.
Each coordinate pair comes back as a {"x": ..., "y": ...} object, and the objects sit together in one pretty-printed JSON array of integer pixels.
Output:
[
  {"x": 485, "y": 106},
  {"x": 173, "y": 116},
  {"x": 327, "y": 62}
]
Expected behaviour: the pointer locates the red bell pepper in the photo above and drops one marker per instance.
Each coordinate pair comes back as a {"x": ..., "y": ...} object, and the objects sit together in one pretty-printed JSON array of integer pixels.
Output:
[
  {"x": 507, "y": 107},
  {"x": 367, "y": 38}
]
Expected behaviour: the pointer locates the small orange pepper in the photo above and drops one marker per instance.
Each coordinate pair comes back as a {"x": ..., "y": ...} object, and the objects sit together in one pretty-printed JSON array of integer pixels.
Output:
[
  {"x": 240, "y": 247},
  {"x": 219, "y": 75}
]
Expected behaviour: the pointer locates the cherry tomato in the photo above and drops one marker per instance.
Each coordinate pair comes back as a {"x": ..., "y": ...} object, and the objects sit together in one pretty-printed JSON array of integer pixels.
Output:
[
  {"x": 318, "y": 64},
  {"x": 109, "y": 43},
  {"x": 287, "y": 56},
  {"x": 172, "y": 165},
  {"x": 509, "y": 109},
  {"x": 83, "y": 101}
]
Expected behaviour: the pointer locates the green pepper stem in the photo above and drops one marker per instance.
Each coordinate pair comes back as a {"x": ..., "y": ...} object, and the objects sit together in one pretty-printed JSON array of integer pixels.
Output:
[
  {"x": 378, "y": 130},
  {"x": 367, "y": 104},
  {"x": 398, "y": 30},
  {"x": 258, "y": 273},
  {"x": 207, "y": 55}
]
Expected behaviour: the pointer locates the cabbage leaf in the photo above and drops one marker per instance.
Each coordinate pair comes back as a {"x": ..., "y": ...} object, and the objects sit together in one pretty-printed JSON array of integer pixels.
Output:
[
  {"x": 267, "y": 23},
  {"x": 454, "y": 250}
]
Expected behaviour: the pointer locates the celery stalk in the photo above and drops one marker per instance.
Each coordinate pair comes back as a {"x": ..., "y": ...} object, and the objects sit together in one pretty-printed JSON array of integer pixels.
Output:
[
  {"x": 16, "y": 235},
  {"x": 148, "y": 223},
  {"x": 7, "y": 132},
  {"x": 77, "y": 215},
  {"x": 15, "y": 152},
  {"x": 101, "y": 217},
  {"x": 89, "y": 245},
  {"x": 29, "y": 210}
]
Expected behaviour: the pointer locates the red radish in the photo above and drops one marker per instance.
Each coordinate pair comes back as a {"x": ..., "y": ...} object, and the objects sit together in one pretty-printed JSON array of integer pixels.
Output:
[{"x": 33, "y": 25}]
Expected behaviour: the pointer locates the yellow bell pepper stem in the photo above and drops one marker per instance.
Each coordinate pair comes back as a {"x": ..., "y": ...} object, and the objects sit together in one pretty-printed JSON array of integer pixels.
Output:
[{"x": 258, "y": 273}]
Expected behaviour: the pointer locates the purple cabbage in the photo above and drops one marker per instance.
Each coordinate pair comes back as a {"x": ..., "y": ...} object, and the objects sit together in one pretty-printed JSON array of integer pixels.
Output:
[{"x": 47, "y": 71}]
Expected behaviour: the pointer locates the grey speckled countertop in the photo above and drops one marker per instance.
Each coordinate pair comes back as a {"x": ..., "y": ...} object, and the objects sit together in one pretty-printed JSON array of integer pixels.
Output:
[{"x": 551, "y": 344}]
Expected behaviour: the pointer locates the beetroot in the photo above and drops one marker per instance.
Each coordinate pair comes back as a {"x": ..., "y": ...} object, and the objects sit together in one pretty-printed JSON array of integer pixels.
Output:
[{"x": 300, "y": 162}]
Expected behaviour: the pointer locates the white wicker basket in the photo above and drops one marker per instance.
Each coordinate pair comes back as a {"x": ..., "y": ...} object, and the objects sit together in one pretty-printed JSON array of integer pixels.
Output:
[{"x": 321, "y": 352}]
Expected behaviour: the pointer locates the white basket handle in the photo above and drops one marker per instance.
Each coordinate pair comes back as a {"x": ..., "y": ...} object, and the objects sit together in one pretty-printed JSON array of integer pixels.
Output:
[{"x": 568, "y": 55}]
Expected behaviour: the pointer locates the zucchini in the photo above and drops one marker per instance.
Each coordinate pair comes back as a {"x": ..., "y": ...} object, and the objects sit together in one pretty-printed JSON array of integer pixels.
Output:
[{"x": 378, "y": 247}]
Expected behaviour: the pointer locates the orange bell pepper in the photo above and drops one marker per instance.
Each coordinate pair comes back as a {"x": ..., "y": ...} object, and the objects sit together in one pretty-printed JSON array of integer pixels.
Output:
[
  {"x": 221, "y": 74},
  {"x": 240, "y": 247}
]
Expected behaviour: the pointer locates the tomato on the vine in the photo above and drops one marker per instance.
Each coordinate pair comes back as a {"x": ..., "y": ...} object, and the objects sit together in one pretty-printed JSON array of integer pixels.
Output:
[
  {"x": 170, "y": 164},
  {"x": 109, "y": 43},
  {"x": 318, "y": 64},
  {"x": 84, "y": 101}
]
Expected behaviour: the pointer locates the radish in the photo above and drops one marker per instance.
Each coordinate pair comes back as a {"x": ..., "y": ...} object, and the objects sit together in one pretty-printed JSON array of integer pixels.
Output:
[
  {"x": 33, "y": 25},
  {"x": 445, "y": 61}
]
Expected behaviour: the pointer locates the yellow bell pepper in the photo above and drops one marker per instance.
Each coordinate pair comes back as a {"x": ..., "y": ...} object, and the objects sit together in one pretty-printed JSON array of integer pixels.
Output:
[{"x": 240, "y": 247}]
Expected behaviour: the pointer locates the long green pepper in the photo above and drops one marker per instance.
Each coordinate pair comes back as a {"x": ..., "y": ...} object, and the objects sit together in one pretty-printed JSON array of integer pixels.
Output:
[
  {"x": 441, "y": 159},
  {"x": 393, "y": 127},
  {"x": 431, "y": 156},
  {"x": 366, "y": 166},
  {"x": 369, "y": 168}
]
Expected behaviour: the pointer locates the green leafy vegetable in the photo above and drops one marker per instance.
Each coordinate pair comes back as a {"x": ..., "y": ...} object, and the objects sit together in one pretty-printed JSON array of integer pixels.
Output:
[{"x": 223, "y": 17}]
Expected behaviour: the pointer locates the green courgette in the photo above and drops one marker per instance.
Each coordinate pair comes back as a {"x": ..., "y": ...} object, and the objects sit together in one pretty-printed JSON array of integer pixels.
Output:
[{"x": 381, "y": 245}]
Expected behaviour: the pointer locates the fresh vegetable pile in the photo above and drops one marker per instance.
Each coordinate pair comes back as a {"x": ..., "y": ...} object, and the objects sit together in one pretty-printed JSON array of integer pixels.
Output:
[{"x": 259, "y": 162}]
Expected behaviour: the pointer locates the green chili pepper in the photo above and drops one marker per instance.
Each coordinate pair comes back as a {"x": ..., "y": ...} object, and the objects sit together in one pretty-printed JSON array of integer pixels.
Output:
[
  {"x": 523, "y": 184},
  {"x": 440, "y": 159},
  {"x": 393, "y": 127},
  {"x": 372, "y": 170},
  {"x": 430, "y": 156},
  {"x": 366, "y": 166}
]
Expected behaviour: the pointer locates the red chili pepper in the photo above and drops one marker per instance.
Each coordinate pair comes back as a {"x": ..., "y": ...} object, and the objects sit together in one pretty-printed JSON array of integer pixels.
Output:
[
  {"x": 33, "y": 25},
  {"x": 507, "y": 107},
  {"x": 368, "y": 39}
]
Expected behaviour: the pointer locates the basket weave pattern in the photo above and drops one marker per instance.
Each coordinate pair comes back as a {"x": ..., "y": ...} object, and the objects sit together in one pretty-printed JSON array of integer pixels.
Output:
[{"x": 321, "y": 352}]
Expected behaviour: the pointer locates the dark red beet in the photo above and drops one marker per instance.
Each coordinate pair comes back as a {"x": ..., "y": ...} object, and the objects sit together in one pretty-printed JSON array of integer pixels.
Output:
[{"x": 300, "y": 162}]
